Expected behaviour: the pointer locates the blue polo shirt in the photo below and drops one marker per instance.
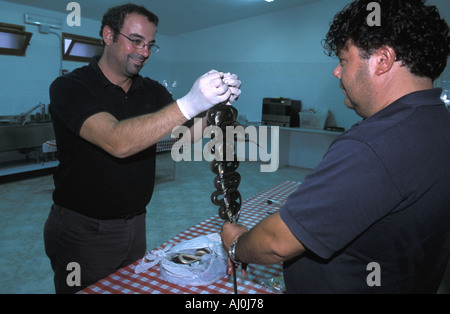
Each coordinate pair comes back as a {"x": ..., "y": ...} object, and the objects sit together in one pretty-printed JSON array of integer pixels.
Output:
[{"x": 380, "y": 195}]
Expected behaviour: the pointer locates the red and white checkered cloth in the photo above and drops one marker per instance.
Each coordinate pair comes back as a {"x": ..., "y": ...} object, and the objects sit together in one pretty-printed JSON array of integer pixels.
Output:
[
  {"x": 49, "y": 147},
  {"x": 125, "y": 281}
]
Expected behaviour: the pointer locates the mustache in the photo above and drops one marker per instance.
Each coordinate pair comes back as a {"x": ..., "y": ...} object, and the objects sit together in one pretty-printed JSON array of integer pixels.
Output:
[{"x": 138, "y": 57}]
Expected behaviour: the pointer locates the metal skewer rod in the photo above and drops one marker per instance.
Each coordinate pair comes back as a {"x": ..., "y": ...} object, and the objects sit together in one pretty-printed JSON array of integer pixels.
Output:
[{"x": 234, "y": 279}]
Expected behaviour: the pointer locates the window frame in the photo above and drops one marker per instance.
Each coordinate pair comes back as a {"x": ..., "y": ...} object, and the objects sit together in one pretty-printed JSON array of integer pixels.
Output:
[
  {"x": 66, "y": 56},
  {"x": 16, "y": 30}
]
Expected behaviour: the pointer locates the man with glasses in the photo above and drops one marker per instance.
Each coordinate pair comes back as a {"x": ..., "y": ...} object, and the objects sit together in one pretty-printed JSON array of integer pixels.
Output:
[{"x": 107, "y": 120}]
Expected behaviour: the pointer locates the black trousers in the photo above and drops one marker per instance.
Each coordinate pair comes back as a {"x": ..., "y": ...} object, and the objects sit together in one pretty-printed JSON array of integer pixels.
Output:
[{"x": 96, "y": 247}]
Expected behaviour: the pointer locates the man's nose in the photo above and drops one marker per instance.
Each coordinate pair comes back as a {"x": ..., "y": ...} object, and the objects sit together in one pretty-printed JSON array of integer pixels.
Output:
[
  {"x": 145, "y": 51},
  {"x": 337, "y": 71}
]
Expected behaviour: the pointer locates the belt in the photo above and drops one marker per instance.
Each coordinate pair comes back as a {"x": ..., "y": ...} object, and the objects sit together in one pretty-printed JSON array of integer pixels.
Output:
[
  {"x": 123, "y": 217},
  {"x": 131, "y": 216}
]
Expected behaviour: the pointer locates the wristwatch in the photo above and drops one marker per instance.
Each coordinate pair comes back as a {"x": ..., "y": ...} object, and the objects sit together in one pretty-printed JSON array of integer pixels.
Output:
[{"x": 232, "y": 252}]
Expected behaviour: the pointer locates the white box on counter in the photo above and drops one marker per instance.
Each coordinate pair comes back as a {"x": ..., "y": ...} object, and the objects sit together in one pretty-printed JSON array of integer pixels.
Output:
[{"x": 312, "y": 119}]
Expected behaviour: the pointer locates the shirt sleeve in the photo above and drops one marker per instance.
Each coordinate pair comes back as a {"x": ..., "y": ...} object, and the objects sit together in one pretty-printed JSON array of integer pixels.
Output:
[
  {"x": 348, "y": 192},
  {"x": 72, "y": 103}
]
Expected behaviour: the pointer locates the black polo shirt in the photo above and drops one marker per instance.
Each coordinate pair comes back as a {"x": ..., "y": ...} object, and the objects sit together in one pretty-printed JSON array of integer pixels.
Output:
[{"x": 88, "y": 180}]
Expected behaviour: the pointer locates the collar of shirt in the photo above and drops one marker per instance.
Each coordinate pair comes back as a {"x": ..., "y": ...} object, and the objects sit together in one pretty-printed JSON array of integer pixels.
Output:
[
  {"x": 422, "y": 98},
  {"x": 429, "y": 97},
  {"x": 137, "y": 80}
]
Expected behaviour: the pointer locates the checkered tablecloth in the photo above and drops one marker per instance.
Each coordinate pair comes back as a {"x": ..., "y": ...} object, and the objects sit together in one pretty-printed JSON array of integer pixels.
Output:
[
  {"x": 49, "y": 146},
  {"x": 256, "y": 281}
]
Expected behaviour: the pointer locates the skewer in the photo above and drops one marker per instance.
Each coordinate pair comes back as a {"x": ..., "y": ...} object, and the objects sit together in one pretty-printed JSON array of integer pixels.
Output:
[{"x": 223, "y": 116}]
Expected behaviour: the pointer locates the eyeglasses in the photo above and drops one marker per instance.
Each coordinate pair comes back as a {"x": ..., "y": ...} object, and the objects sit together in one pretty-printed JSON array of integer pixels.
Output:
[{"x": 140, "y": 44}]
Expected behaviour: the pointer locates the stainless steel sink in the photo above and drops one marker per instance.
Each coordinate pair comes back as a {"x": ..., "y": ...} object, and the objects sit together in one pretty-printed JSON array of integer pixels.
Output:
[
  {"x": 15, "y": 136},
  {"x": 5, "y": 120}
]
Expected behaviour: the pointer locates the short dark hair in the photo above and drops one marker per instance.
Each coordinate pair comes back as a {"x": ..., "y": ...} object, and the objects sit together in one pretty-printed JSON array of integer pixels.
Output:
[
  {"x": 115, "y": 17},
  {"x": 417, "y": 33}
]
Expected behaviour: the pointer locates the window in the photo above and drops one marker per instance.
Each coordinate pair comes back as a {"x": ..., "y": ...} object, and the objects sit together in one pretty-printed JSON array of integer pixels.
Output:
[
  {"x": 444, "y": 82},
  {"x": 446, "y": 87},
  {"x": 13, "y": 39},
  {"x": 80, "y": 48}
]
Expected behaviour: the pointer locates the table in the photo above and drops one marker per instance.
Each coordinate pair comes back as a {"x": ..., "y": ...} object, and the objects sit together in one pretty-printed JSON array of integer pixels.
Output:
[{"x": 256, "y": 208}]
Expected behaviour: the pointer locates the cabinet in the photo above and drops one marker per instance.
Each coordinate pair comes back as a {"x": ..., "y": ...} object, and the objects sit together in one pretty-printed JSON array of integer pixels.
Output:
[{"x": 304, "y": 147}]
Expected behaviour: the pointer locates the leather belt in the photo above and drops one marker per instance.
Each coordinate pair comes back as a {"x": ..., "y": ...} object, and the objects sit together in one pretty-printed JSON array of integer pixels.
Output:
[
  {"x": 131, "y": 216},
  {"x": 124, "y": 217}
]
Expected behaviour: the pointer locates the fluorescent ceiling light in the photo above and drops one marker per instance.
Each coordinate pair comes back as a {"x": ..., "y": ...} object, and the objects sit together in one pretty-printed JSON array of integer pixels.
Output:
[{"x": 43, "y": 20}]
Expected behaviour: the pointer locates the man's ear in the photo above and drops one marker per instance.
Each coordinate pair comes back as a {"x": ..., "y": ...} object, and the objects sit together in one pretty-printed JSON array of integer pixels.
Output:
[
  {"x": 384, "y": 60},
  {"x": 108, "y": 35}
]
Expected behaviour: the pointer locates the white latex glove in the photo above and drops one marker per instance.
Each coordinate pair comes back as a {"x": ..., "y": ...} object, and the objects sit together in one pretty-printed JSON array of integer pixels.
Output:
[
  {"x": 207, "y": 91},
  {"x": 234, "y": 85}
]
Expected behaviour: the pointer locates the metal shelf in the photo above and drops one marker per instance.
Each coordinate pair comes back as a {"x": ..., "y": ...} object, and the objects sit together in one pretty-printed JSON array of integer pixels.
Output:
[{"x": 16, "y": 167}]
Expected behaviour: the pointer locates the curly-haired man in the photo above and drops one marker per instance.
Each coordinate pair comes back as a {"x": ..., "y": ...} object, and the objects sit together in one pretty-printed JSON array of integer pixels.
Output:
[{"x": 374, "y": 216}]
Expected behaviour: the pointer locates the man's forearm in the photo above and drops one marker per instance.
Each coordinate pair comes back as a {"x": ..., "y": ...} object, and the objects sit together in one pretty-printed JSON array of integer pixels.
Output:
[
  {"x": 128, "y": 137},
  {"x": 270, "y": 242}
]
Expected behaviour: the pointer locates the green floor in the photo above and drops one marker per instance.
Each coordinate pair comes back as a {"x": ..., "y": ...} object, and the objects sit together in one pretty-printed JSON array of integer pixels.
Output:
[{"x": 176, "y": 205}]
